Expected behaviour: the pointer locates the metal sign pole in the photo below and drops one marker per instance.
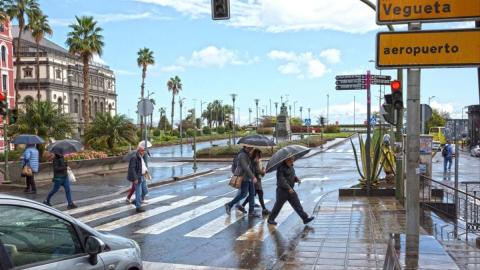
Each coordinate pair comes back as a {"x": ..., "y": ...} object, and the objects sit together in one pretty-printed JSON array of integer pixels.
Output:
[
  {"x": 399, "y": 176},
  {"x": 369, "y": 130},
  {"x": 6, "y": 143}
]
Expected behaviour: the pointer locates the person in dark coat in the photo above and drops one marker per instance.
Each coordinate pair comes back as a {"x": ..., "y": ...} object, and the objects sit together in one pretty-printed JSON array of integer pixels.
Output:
[
  {"x": 243, "y": 162},
  {"x": 259, "y": 173},
  {"x": 136, "y": 174},
  {"x": 286, "y": 179},
  {"x": 60, "y": 178}
]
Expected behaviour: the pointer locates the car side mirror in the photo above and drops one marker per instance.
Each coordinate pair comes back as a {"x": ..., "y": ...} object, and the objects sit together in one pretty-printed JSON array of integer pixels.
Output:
[{"x": 94, "y": 246}]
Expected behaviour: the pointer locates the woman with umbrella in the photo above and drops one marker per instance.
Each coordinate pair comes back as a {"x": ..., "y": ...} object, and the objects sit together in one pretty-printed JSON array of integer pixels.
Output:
[
  {"x": 259, "y": 173},
  {"x": 30, "y": 159},
  {"x": 286, "y": 178},
  {"x": 60, "y": 169}
]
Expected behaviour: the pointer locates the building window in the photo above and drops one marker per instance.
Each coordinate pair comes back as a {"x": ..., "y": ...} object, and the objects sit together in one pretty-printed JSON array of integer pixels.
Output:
[
  {"x": 28, "y": 72},
  {"x": 28, "y": 100},
  {"x": 4, "y": 55},
  {"x": 75, "y": 106},
  {"x": 109, "y": 108},
  {"x": 58, "y": 73},
  {"x": 90, "y": 108},
  {"x": 109, "y": 84},
  {"x": 60, "y": 103},
  {"x": 95, "y": 107},
  {"x": 102, "y": 108},
  {"x": 4, "y": 82}
]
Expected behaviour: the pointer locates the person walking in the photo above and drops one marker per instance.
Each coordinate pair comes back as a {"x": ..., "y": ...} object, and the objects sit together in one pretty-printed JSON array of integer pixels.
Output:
[
  {"x": 60, "y": 178},
  {"x": 286, "y": 179},
  {"x": 30, "y": 157},
  {"x": 136, "y": 174},
  {"x": 131, "y": 191},
  {"x": 259, "y": 172},
  {"x": 447, "y": 153},
  {"x": 242, "y": 168}
]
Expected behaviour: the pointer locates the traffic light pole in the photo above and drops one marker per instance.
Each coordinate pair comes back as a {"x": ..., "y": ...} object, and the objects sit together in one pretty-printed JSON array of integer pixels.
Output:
[
  {"x": 399, "y": 177},
  {"x": 6, "y": 143},
  {"x": 369, "y": 131}
]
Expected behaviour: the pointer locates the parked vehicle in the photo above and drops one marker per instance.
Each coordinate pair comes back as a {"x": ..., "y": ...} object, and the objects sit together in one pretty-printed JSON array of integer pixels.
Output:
[
  {"x": 36, "y": 237},
  {"x": 438, "y": 134},
  {"x": 475, "y": 152}
]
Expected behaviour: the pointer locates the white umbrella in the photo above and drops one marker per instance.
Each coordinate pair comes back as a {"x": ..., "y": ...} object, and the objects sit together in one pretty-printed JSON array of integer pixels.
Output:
[{"x": 142, "y": 144}]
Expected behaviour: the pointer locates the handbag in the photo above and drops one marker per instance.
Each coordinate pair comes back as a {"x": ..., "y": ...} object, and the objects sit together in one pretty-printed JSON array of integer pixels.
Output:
[
  {"x": 236, "y": 181},
  {"x": 27, "y": 170},
  {"x": 147, "y": 176},
  {"x": 71, "y": 176}
]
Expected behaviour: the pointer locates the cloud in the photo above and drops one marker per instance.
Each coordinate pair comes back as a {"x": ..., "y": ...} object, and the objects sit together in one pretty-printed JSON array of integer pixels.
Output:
[
  {"x": 126, "y": 72},
  {"x": 350, "y": 16},
  {"x": 442, "y": 107},
  {"x": 112, "y": 17},
  {"x": 304, "y": 65},
  {"x": 343, "y": 112},
  {"x": 211, "y": 57},
  {"x": 97, "y": 59}
]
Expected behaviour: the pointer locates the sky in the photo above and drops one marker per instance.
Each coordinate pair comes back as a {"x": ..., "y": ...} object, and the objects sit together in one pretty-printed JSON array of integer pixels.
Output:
[{"x": 270, "y": 49}]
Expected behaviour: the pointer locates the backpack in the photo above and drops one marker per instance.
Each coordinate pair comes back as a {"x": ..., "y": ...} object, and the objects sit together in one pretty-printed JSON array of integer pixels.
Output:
[{"x": 444, "y": 151}]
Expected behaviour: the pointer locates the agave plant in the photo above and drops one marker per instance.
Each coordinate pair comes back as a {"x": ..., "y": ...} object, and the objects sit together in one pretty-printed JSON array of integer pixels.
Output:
[{"x": 377, "y": 160}]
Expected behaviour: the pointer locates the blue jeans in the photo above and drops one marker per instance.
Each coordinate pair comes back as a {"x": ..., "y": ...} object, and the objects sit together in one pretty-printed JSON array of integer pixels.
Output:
[
  {"x": 246, "y": 187},
  {"x": 447, "y": 160},
  {"x": 56, "y": 186},
  {"x": 140, "y": 191}
]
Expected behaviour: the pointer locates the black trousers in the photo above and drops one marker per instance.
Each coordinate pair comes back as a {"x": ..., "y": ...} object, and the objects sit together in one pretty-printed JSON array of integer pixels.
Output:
[
  {"x": 30, "y": 181},
  {"x": 284, "y": 196}
]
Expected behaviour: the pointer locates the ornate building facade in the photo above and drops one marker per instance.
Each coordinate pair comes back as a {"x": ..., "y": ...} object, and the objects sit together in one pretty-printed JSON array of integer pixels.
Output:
[
  {"x": 61, "y": 80},
  {"x": 6, "y": 71}
]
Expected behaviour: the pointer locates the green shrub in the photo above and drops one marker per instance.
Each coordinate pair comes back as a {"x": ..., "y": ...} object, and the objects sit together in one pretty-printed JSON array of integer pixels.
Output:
[
  {"x": 221, "y": 130},
  {"x": 139, "y": 134},
  {"x": 332, "y": 129},
  {"x": 175, "y": 133},
  {"x": 207, "y": 130},
  {"x": 156, "y": 132},
  {"x": 190, "y": 132},
  {"x": 265, "y": 131}
]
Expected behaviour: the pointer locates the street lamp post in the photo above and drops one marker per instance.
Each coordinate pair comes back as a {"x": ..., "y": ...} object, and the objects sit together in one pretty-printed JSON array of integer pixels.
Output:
[
  {"x": 201, "y": 114},
  {"x": 276, "y": 122},
  {"x": 290, "y": 119},
  {"x": 181, "y": 124},
  {"x": 256, "y": 104},
  {"x": 249, "y": 116},
  {"x": 308, "y": 129},
  {"x": 294, "y": 110},
  {"x": 270, "y": 107},
  {"x": 430, "y": 99},
  {"x": 328, "y": 108},
  {"x": 194, "y": 146},
  {"x": 301, "y": 113},
  {"x": 234, "y": 96}
]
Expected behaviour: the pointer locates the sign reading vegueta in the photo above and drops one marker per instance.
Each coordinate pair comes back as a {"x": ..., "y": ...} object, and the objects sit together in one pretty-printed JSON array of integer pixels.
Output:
[
  {"x": 401, "y": 11},
  {"x": 424, "y": 49}
]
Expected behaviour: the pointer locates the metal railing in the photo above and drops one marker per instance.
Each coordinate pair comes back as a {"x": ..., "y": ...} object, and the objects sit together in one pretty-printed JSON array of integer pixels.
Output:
[
  {"x": 462, "y": 207},
  {"x": 391, "y": 258}
]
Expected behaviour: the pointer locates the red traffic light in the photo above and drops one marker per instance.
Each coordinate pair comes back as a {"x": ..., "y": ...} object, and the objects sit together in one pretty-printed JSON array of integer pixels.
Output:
[
  {"x": 2, "y": 96},
  {"x": 396, "y": 86}
]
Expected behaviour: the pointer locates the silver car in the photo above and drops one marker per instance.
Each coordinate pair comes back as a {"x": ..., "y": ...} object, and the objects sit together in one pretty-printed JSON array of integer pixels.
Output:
[{"x": 36, "y": 237}]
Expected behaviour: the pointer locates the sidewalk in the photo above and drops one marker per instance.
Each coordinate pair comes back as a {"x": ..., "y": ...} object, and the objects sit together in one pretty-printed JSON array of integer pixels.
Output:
[{"x": 353, "y": 233}]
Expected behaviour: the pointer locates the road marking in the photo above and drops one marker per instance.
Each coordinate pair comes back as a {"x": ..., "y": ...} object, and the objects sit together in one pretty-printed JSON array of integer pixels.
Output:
[
  {"x": 175, "y": 221},
  {"x": 330, "y": 150},
  {"x": 124, "y": 208},
  {"x": 217, "y": 225},
  {"x": 315, "y": 179},
  {"x": 149, "y": 213},
  {"x": 172, "y": 266},
  {"x": 340, "y": 151},
  {"x": 225, "y": 180},
  {"x": 260, "y": 231},
  {"x": 93, "y": 206}
]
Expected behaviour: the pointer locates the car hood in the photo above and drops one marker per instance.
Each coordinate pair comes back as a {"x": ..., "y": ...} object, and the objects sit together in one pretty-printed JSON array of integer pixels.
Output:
[{"x": 115, "y": 242}]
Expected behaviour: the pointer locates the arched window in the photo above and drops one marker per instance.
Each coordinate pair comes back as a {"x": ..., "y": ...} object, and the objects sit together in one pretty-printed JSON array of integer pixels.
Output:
[
  {"x": 83, "y": 104},
  {"x": 90, "y": 107},
  {"x": 4, "y": 55},
  {"x": 102, "y": 108},
  {"x": 60, "y": 103},
  {"x": 75, "y": 106},
  {"x": 28, "y": 100},
  {"x": 95, "y": 107},
  {"x": 109, "y": 108}
]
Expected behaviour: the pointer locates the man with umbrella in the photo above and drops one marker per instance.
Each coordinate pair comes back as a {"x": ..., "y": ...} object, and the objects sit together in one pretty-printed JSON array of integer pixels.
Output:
[
  {"x": 136, "y": 174},
  {"x": 286, "y": 178}
]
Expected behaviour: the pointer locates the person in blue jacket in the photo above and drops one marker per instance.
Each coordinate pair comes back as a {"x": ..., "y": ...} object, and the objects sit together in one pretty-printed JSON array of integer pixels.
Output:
[{"x": 30, "y": 158}]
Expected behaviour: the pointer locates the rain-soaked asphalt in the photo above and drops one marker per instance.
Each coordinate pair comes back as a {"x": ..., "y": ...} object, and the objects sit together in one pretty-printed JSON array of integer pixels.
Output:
[{"x": 186, "y": 224}]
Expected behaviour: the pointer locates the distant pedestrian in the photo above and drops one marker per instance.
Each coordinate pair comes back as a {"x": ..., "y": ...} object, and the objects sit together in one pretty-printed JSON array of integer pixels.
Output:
[
  {"x": 137, "y": 169},
  {"x": 242, "y": 168},
  {"x": 60, "y": 178},
  {"x": 447, "y": 153},
  {"x": 131, "y": 191},
  {"x": 286, "y": 180},
  {"x": 259, "y": 172},
  {"x": 30, "y": 158}
]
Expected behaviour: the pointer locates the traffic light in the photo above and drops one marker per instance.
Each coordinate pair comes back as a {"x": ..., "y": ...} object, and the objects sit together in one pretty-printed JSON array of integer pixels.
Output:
[
  {"x": 389, "y": 112},
  {"x": 322, "y": 121},
  {"x": 397, "y": 97},
  {"x": 3, "y": 105},
  {"x": 220, "y": 9}
]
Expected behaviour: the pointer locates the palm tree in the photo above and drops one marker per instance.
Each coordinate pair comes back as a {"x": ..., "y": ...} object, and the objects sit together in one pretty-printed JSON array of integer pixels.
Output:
[
  {"x": 107, "y": 131},
  {"x": 144, "y": 59},
  {"x": 85, "y": 40},
  {"x": 3, "y": 12},
  {"x": 38, "y": 25},
  {"x": 18, "y": 9},
  {"x": 174, "y": 85}
]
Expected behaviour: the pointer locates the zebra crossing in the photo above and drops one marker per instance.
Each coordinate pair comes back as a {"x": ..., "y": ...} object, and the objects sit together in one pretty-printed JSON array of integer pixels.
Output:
[
  {"x": 339, "y": 151},
  {"x": 118, "y": 217}
]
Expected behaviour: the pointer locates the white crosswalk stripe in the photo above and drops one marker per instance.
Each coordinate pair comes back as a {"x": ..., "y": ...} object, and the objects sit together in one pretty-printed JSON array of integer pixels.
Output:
[
  {"x": 150, "y": 213},
  {"x": 340, "y": 151},
  {"x": 173, "y": 266},
  {"x": 175, "y": 221},
  {"x": 124, "y": 208},
  {"x": 93, "y": 206},
  {"x": 217, "y": 225},
  {"x": 330, "y": 150}
]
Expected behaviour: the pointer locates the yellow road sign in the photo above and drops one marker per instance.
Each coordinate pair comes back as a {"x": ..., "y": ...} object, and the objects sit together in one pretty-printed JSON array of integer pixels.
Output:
[
  {"x": 402, "y": 11},
  {"x": 436, "y": 48}
]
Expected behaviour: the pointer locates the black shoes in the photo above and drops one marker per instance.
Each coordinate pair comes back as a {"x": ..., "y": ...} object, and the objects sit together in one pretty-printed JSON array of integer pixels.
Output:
[
  {"x": 140, "y": 210},
  {"x": 265, "y": 212},
  {"x": 228, "y": 208},
  {"x": 272, "y": 222},
  {"x": 308, "y": 220},
  {"x": 47, "y": 203},
  {"x": 241, "y": 209},
  {"x": 72, "y": 206}
]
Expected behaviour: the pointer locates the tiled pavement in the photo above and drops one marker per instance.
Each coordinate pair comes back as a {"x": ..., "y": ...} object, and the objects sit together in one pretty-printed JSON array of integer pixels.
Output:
[{"x": 352, "y": 233}]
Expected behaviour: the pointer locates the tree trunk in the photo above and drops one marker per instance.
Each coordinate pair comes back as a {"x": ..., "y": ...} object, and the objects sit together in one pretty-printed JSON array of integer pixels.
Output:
[
  {"x": 173, "y": 108},
  {"x": 38, "y": 71},
  {"x": 86, "y": 93},
  {"x": 21, "y": 25},
  {"x": 142, "y": 95}
]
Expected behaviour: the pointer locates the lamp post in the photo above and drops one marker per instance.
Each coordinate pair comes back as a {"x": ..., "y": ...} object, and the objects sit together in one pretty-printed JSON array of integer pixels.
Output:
[
  {"x": 294, "y": 110},
  {"x": 290, "y": 119},
  {"x": 308, "y": 129},
  {"x": 249, "y": 116},
  {"x": 194, "y": 146},
  {"x": 270, "y": 107},
  {"x": 430, "y": 99},
  {"x": 256, "y": 104},
  {"x": 181, "y": 124},
  {"x": 276, "y": 122},
  {"x": 328, "y": 108},
  {"x": 301, "y": 113},
  {"x": 201, "y": 114},
  {"x": 234, "y": 96}
]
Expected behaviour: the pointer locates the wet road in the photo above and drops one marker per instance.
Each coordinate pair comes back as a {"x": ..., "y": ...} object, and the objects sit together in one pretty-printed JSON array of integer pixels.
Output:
[{"x": 186, "y": 224}]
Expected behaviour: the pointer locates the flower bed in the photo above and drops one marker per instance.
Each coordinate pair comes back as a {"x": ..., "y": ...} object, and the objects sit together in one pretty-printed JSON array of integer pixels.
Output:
[{"x": 83, "y": 155}]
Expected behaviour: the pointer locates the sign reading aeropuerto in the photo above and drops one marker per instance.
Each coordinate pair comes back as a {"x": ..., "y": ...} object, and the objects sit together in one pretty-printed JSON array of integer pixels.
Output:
[
  {"x": 402, "y": 11},
  {"x": 424, "y": 49}
]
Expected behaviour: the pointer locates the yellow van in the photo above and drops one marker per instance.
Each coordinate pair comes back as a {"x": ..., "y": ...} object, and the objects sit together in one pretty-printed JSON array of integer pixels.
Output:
[{"x": 438, "y": 134}]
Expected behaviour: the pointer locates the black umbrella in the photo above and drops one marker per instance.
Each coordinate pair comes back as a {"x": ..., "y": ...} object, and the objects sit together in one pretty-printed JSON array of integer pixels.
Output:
[
  {"x": 257, "y": 141},
  {"x": 129, "y": 155},
  {"x": 65, "y": 147},
  {"x": 27, "y": 139},
  {"x": 291, "y": 151}
]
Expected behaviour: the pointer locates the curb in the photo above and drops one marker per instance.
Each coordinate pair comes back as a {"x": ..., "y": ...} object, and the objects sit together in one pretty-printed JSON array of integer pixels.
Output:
[{"x": 331, "y": 146}]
